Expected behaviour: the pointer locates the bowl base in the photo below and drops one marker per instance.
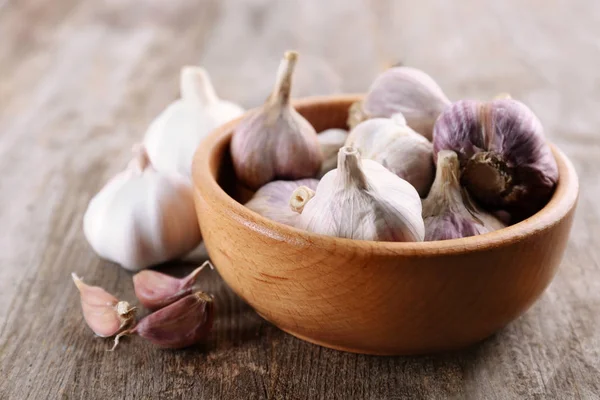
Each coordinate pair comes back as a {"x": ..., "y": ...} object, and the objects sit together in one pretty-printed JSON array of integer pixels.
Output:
[{"x": 372, "y": 352}]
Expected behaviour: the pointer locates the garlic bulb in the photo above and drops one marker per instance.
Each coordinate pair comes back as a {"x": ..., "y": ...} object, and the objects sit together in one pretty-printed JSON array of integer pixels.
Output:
[
  {"x": 331, "y": 140},
  {"x": 397, "y": 147},
  {"x": 448, "y": 211},
  {"x": 505, "y": 160},
  {"x": 172, "y": 138},
  {"x": 402, "y": 90},
  {"x": 363, "y": 200},
  {"x": 275, "y": 141},
  {"x": 272, "y": 200},
  {"x": 142, "y": 217}
]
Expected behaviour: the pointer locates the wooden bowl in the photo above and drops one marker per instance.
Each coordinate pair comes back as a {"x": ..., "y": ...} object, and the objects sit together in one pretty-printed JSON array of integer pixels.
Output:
[{"x": 376, "y": 297}]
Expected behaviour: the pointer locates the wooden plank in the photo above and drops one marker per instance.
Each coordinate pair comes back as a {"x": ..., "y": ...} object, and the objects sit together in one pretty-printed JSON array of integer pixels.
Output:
[{"x": 79, "y": 82}]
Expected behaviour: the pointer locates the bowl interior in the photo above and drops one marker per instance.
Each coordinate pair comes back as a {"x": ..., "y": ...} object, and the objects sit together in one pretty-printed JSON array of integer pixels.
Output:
[{"x": 331, "y": 112}]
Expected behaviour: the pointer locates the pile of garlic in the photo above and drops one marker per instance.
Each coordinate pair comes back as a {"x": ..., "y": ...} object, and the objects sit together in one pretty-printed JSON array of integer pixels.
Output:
[
  {"x": 182, "y": 315},
  {"x": 414, "y": 165},
  {"x": 145, "y": 215}
]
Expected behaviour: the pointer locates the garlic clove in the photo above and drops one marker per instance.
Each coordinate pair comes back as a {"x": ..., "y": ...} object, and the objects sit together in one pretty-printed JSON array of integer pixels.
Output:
[
  {"x": 448, "y": 211},
  {"x": 103, "y": 312},
  {"x": 272, "y": 200},
  {"x": 142, "y": 217},
  {"x": 172, "y": 138},
  {"x": 363, "y": 200},
  {"x": 156, "y": 290},
  {"x": 402, "y": 90},
  {"x": 274, "y": 142},
  {"x": 505, "y": 160},
  {"x": 331, "y": 140},
  {"x": 181, "y": 324},
  {"x": 393, "y": 144}
]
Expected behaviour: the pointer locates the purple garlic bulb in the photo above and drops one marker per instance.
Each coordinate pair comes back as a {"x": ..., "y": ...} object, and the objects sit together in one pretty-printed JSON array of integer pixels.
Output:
[
  {"x": 402, "y": 90},
  {"x": 504, "y": 158},
  {"x": 275, "y": 142},
  {"x": 448, "y": 211}
]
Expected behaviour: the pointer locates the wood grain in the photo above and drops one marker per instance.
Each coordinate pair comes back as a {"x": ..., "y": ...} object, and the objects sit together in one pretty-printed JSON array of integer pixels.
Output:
[
  {"x": 382, "y": 298},
  {"x": 80, "y": 81}
]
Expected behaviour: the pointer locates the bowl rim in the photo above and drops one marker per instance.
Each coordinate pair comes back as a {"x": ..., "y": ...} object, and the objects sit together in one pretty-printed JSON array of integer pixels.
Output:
[{"x": 207, "y": 159}]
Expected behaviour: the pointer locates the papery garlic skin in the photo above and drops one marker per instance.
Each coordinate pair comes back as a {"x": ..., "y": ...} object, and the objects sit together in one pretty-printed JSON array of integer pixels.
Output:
[
  {"x": 103, "y": 312},
  {"x": 403, "y": 90},
  {"x": 331, "y": 140},
  {"x": 397, "y": 147},
  {"x": 272, "y": 200},
  {"x": 505, "y": 160},
  {"x": 172, "y": 138},
  {"x": 363, "y": 200},
  {"x": 448, "y": 211},
  {"x": 274, "y": 142},
  {"x": 142, "y": 218}
]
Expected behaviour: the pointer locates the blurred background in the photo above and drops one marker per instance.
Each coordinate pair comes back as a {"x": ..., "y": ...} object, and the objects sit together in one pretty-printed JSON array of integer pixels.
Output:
[{"x": 81, "y": 80}]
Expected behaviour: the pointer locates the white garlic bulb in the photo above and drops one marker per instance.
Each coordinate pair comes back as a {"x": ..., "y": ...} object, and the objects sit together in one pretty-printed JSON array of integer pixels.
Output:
[
  {"x": 172, "y": 138},
  {"x": 142, "y": 217},
  {"x": 448, "y": 211},
  {"x": 331, "y": 140},
  {"x": 272, "y": 200},
  {"x": 403, "y": 90},
  {"x": 363, "y": 200},
  {"x": 393, "y": 144}
]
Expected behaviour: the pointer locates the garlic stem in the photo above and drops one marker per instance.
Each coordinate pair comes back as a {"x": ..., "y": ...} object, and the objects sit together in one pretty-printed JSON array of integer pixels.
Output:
[
  {"x": 444, "y": 189},
  {"x": 195, "y": 86},
  {"x": 140, "y": 160},
  {"x": 300, "y": 197},
  {"x": 350, "y": 172},
  {"x": 399, "y": 119},
  {"x": 280, "y": 96}
]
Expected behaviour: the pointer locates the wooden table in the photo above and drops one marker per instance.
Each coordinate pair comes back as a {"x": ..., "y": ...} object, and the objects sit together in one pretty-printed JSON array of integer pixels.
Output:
[{"x": 79, "y": 83}]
